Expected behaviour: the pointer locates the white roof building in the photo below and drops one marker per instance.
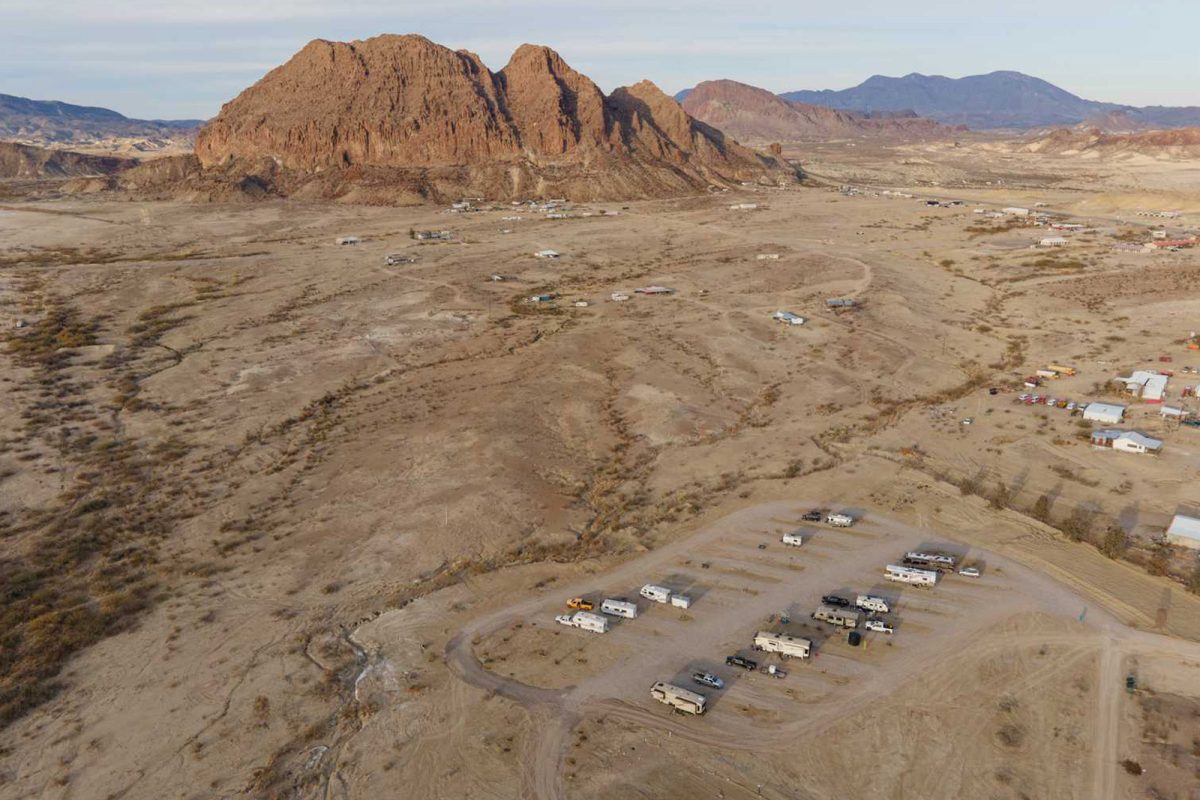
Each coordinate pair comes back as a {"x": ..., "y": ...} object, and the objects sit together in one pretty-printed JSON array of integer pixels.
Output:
[
  {"x": 1185, "y": 531},
  {"x": 1150, "y": 386},
  {"x": 1126, "y": 441},
  {"x": 1053, "y": 241},
  {"x": 1106, "y": 413},
  {"x": 789, "y": 317}
]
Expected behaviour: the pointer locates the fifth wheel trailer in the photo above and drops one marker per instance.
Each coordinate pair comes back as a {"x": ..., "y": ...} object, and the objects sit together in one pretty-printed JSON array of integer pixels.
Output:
[
  {"x": 659, "y": 594},
  {"x": 910, "y": 575},
  {"x": 871, "y": 603},
  {"x": 938, "y": 561},
  {"x": 679, "y": 699},
  {"x": 787, "y": 646},
  {"x": 837, "y": 616},
  {"x": 619, "y": 608},
  {"x": 587, "y": 621}
]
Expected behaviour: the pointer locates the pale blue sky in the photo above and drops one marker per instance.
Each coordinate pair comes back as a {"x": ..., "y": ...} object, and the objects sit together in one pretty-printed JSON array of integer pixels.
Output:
[{"x": 164, "y": 59}]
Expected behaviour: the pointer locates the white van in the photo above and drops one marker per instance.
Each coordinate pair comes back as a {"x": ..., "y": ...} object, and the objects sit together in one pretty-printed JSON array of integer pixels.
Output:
[
  {"x": 794, "y": 538},
  {"x": 619, "y": 608},
  {"x": 657, "y": 594}
]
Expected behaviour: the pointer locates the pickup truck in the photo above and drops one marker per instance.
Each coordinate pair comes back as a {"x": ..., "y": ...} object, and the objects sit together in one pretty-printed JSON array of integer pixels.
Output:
[
  {"x": 708, "y": 679},
  {"x": 813, "y": 516},
  {"x": 579, "y": 604},
  {"x": 565, "y": 619},
  {"x": 744, "y": 663},
  {"x": 879, "y": 626}
]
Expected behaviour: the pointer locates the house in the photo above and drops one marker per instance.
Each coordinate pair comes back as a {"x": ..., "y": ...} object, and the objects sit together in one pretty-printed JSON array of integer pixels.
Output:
[
  {"x": 439, "y": 236},
  {"x": 1126, "y": 441},
  {"x": 788, "y": 317},
  {"x": 743, "y": 207},
  {"x": 1184, "y": 531},
  {"x": 619, "y": 297},
  {"x": 1169, "y": 244},
  {"x": 1054, "y": 241},
  {"x": 1106, "y": 413},
  {"x": 1174, "y": 412},
  {"x": 1150, "y": 386},
  {"x": 654, "y": 290},
  {"x": 841, "y": 302},
  {"x": 545, "y": 254}
]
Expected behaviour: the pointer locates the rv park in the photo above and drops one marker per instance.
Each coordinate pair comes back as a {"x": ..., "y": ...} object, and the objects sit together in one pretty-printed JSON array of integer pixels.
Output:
[{"x": 394, "y": 458}]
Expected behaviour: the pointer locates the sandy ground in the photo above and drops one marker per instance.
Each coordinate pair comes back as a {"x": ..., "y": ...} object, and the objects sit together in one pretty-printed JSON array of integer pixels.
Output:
[{"x": 338, "y": 503}]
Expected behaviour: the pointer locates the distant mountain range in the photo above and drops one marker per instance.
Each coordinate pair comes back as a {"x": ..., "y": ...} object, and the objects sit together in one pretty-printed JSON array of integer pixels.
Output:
[
  {"x": 750, "y": 114},
  {"x": 50, "y": 122},
  {"x": 997, "y": 100}
]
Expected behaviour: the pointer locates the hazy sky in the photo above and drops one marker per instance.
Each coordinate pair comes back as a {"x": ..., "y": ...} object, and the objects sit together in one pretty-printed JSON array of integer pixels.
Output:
[{"x": 163, "y": 59}]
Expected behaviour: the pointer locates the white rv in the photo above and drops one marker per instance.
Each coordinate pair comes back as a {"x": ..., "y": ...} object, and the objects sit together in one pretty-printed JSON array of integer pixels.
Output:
[
  {"x": 786, "y": 646},
  {"x": 587, "y": 621},
  {"x": 840, "y": 520},
  {"x": 842, "y": 617},
  {"x": 910, "y": 575},
  {"x": 679, "y": 699},
  {"x": 657, "y": 594},
  {"x": 871, "y": 603},
  {"x": 619, "y": 608},
  {"x": 794, "y": 539}
]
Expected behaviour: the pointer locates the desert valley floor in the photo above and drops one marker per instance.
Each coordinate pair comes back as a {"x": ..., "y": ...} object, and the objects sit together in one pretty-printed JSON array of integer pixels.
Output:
[{"x": 339, "y": 501}]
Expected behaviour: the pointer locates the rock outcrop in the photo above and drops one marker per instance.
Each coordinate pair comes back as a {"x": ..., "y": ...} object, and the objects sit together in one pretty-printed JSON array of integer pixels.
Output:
[
  {"x": 751, "y": 114},
  {"x": 27, "y": 162},
  {"x": 1176, "y": 143},
  {"x": 398, "y": 118}
]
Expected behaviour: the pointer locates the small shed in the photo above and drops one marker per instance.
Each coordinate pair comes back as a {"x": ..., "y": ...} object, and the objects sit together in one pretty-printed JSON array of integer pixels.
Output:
[
  {"x": 1184, "y": 531},
  {"x": 1106, "y": 413},
  {"x": 788, "y": 317}
]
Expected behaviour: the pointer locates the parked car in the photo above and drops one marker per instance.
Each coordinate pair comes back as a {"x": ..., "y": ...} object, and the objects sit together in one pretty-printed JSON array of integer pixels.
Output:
[
  {"x": 969, "y": 572},
  {"x": 879, "y": 626},
  {"x": 834, "y": 600},
  {"x": 708, "y": 679},
  {"x": 744, "y": 663},
  {"x": 813, "y": 516}
]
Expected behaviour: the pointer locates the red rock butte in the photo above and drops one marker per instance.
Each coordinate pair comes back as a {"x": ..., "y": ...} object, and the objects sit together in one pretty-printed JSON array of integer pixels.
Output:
[{"x": 404, "y": 110}]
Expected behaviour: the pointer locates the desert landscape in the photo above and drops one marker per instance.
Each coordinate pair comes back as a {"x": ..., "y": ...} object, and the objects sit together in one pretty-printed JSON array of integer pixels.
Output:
[{"x": 304, "y": 448}]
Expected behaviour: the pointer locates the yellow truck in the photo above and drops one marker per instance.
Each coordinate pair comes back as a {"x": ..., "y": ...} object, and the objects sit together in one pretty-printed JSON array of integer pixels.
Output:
[{"x": 579, "y": 604}]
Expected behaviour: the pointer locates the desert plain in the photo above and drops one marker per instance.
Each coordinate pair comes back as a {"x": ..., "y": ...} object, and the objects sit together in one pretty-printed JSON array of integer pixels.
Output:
[{"x": 296, "y": 521}]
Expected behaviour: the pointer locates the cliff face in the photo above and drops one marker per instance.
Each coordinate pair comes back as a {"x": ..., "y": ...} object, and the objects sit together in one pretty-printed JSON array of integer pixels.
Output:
[
  {"x": 440, "y": 123},
  {"x": 753, "y": 114}
]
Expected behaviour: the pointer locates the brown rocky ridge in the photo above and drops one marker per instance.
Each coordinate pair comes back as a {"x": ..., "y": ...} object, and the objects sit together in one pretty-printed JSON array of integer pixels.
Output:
[
  {"x": 25, "y": 161},
  {"x": 1173, "y": 143},
  {"x": 400, "y": 118},
  {"x": 751, "y": 114}
]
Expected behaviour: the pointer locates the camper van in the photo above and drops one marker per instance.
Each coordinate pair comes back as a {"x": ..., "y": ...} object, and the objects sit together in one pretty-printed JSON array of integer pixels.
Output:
[{"x": 794, "y": 539}]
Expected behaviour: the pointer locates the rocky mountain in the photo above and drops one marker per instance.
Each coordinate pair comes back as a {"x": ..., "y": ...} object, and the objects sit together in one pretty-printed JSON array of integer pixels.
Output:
[
  {"x": 1163, "y": 144},
  {"x": 51, "y": 123},
  {"x": 396, "y": 118},
  {"x": 1002, "y": 99},
  {"x": 750, "y": 114},
  {"x": 30, "y": 162}
]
